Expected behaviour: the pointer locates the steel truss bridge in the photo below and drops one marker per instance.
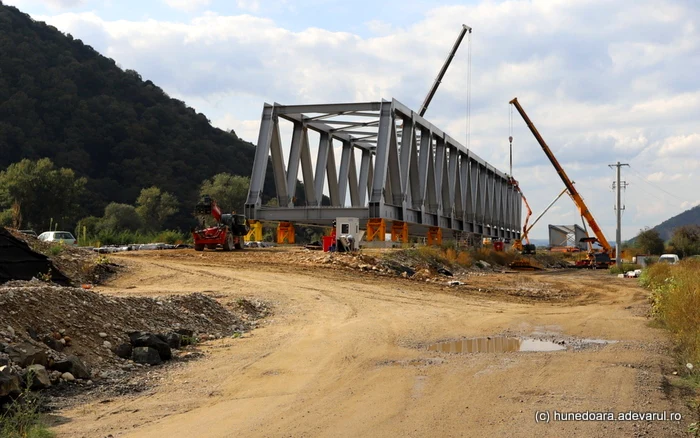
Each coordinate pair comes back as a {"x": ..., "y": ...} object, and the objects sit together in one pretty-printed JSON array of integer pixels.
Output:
[{"x": 413, "y": 179}]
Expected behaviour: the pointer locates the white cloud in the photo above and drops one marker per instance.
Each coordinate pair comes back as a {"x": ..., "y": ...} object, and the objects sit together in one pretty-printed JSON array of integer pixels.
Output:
[
  {"x": 681, "y": 145},
  {"x": 248, "y": 5},
  {"x": 52, "y": 4},
  {"x": 187, "y": 5},
  {"x": 689, "y": 205},
  {"x": 246, "y": 129},
  {"x": 599, "y": 91}
]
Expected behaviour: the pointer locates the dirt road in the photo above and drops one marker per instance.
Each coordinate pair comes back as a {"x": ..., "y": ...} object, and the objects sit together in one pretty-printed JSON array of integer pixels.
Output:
[{"x": 346, "y": 355}]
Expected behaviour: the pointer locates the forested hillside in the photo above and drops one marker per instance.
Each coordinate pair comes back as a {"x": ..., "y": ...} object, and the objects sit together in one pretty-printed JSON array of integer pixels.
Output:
[
  {"x": 688, "y": 217},
  {"x": 61, "y": 99}
]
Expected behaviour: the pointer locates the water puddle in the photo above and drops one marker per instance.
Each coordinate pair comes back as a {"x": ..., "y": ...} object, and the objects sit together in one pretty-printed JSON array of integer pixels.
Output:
[{"x": 495, "y": 344}]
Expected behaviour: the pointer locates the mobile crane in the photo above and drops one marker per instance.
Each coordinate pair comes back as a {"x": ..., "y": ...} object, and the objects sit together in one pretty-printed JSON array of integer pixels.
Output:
[
  {"x": 595, "y": 259},
  {"x": 227, "y": 232}
]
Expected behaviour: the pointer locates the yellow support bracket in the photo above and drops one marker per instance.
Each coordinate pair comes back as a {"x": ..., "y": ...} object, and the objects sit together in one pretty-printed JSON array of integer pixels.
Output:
[
  {"x": 376, "y": 230},
  {"x": 434, "y": 236},
  {"x": 285, "y": 233},
  {"x": 399, "y": 231},
  {"x": 256, "y": 231}
]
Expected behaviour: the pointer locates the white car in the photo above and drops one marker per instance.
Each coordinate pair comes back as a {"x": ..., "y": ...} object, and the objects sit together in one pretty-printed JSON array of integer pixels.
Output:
[
  {"x": 669, "y": 258},
  {"x": 58, "y": 236}
]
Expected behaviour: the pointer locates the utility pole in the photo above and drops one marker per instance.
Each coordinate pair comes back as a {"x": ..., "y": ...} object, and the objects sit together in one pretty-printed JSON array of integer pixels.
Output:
[{"x": 618, "y": 208}]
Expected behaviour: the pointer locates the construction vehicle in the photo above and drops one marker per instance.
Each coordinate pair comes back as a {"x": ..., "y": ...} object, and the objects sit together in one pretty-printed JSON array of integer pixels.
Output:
[
  {"x": 527, "y": 248},
  {"x": 227, "y": 232},
  {"x": 595, "y": 259}
]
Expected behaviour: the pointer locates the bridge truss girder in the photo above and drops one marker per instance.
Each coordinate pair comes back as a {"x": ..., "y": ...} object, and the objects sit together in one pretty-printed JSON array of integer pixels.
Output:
[{"x": 409, "y": 171}]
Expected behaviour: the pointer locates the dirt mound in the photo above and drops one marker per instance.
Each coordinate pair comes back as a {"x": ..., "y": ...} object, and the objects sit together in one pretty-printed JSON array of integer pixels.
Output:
[
  {"x": 80, "y": 265},
  {"x": 18, "y": 261},
  {"x": 90, "y": 325}
]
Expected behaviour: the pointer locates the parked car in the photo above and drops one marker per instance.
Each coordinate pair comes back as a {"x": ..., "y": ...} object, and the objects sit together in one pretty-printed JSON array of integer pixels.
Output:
[
  {"x": 669, "y": 258},
  {"x": 58, "y": 236},
  {"x": 28, "y": 232}
]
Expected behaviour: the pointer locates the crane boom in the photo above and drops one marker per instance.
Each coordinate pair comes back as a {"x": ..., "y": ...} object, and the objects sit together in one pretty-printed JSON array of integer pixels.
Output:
[
  {"x": 443, "y": 70},
  {"x": 575, "y": 196}
]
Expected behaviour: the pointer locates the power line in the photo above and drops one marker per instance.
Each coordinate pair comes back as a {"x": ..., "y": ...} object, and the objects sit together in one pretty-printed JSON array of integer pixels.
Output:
[
  {"x": 655, "y": 196},
  {"x": 655, "y": 186}
]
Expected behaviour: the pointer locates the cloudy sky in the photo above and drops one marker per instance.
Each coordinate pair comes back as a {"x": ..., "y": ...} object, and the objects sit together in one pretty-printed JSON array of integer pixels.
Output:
[{"x": 603, "y": 81}]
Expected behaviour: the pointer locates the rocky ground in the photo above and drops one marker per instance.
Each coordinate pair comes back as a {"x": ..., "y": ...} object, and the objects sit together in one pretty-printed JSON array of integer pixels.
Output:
[{"x": 71, "y": 340}]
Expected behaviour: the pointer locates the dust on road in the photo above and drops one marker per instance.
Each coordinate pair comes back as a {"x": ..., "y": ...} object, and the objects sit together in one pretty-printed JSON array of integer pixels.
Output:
[{"x": 346, "y": 354}]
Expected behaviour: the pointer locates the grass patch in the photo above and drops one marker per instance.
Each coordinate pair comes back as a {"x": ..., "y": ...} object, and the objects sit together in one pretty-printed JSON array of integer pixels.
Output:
[
  {"x": 21, "y": 419},
  {"x": 675, "y": 303},
  {"x": 626, "y": 267},
  {"x": 56, "y": 249},
  {"x": 128, "y": 237}
]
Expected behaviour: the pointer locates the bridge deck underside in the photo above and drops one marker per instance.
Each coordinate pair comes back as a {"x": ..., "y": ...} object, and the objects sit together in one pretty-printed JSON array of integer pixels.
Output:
[{"x": 409, "y": 170}]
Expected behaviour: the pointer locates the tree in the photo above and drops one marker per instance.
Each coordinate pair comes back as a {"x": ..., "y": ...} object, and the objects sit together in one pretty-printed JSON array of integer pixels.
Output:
[
  {"x": 120, "y": 217},
  {"x": 61, "y": 99},
  {"x": 649, "y": 241},
  {"x": 229, "y": 191},
  {"x": 686, "y": 240},
  {"x": 155, "y": 207},
  {"x": 88, "y": 226},
  {"x": 43, "y": 192}
]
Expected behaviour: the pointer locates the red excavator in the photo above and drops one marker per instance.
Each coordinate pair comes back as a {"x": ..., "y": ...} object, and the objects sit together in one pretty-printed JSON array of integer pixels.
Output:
[{"x": 227, "y": 233}]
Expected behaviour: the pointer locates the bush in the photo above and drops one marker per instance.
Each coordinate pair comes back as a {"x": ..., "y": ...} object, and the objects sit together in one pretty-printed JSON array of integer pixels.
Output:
[
  {"x": 21, "y": 419},
  {"x": 109, "y": 237},
  {"x": 171, "y": 237},
  {"x": 56, "y": 249},
  {"x": 676, "y": 303},
  {"x": 502, "y": 258},
  {"x": 626, "y": 267}
]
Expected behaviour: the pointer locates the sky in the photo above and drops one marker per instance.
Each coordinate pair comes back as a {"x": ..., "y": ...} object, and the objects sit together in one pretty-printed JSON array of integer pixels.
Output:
[{"x": 602, "y": 81}]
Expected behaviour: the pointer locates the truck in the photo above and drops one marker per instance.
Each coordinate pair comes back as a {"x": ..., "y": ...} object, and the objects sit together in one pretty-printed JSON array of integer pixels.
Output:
[{"x": 227, "y": 232}]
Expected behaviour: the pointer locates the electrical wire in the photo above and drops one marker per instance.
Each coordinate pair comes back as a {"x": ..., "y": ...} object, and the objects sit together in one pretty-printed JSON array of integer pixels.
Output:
[
  {"x": 655, "y": 186},
  {"x": 655, "y": 196}
]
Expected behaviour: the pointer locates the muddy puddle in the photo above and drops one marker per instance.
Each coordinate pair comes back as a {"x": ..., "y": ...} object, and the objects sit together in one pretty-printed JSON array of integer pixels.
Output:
[{"x": 496, "y": 344}]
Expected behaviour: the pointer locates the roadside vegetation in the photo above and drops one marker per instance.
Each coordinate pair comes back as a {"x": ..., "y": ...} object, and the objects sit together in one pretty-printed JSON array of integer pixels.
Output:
[
  {"x": 452, "y": 256},
  {"x": 626, "y": 267},
  {"x": 675, "y": 303},
  {"x": 675, "y": 295},
  {"x": 21, "y": 418}
]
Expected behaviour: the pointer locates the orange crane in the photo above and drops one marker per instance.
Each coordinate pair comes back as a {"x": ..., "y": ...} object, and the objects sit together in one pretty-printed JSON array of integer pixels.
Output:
[
  {"x": 595, "y": 259},
  {"x": 528, "y": 248}
]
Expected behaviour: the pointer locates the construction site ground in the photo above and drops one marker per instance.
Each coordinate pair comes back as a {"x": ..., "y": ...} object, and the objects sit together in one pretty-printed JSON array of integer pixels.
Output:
[{"x": 345, "y": 353}]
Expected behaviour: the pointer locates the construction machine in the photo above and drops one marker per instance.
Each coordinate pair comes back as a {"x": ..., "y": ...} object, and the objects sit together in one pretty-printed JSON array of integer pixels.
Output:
[
  {"x": 441, "y": 74},
  {"x": 527, "y": 248},
  {"x": 227, "y": 233},
  {"x": 595, "y": 259}
]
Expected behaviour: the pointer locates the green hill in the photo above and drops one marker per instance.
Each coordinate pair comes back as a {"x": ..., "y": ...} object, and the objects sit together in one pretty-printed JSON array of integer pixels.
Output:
[
  {"x": 61, "y": 99},
  {"x": 688, "y": 217}
]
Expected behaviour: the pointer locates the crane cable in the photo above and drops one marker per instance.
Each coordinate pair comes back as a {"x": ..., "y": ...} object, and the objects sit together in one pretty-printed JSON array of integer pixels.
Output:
[
  {"x": 469, "y": 87},
  {"x": 510, "y": 138}
]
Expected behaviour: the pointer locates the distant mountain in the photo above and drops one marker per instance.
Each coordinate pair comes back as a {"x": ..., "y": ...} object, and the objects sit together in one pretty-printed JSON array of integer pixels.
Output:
[
  {"x": 688, "y": 217},
  {"x": 540, "y": 242},
  {"x": 61, "y": 99}
]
